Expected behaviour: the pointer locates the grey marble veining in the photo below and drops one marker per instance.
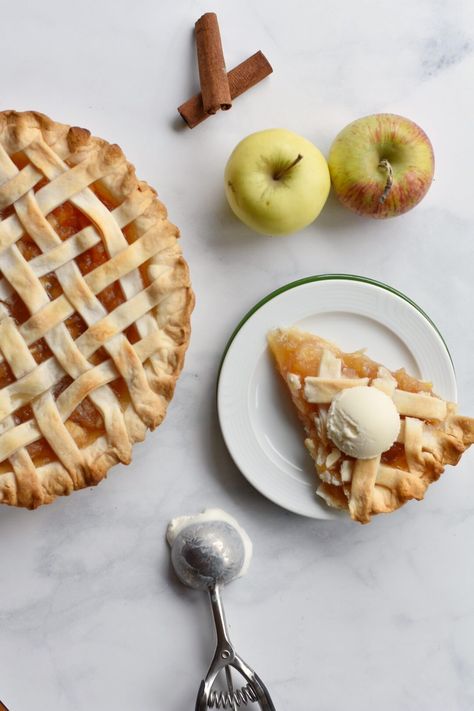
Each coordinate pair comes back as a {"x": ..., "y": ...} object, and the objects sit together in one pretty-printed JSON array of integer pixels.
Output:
[{"x": 332, "y": 615}]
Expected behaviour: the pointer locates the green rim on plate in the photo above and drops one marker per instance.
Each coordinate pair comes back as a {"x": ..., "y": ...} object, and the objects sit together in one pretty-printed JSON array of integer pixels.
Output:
[{"x": 328, "y": 277}]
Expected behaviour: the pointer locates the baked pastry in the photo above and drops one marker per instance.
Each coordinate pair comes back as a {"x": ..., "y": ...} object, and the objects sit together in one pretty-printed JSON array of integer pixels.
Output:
[
  {"x": 95, "y": 304},
  {"x": 375, "y": 474}
]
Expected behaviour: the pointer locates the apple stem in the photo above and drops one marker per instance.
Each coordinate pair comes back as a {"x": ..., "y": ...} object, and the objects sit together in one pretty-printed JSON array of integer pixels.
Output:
[
  {"x": 280, "y": 173},
  {"x": 388, "y": 185}
]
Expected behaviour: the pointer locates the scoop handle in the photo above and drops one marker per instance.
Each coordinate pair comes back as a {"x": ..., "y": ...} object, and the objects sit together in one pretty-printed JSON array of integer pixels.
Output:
[
  {"x": 224, "y": 650},
  {"x": 224, "y": 646},
  {"x": 225, "y": 656}
]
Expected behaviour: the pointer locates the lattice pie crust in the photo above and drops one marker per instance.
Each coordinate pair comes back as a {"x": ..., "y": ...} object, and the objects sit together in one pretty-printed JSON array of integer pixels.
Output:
[
  {"x": 432, "y": 434},
  {"x": 95, "y": 304}
]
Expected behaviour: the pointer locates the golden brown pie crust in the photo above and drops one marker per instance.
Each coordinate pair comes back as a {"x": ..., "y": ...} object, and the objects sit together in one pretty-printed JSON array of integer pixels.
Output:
[{"x": 95, "y": 305}]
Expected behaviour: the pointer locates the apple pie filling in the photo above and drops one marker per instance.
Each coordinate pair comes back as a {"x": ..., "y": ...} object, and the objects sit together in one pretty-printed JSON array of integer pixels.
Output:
[{"x": 66, "y": 220}]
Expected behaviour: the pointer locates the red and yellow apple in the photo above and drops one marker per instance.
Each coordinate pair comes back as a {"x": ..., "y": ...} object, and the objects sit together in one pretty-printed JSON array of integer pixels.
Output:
[
  {"x": 276, "y": 181},
  {"x": 381, "y": 165}
]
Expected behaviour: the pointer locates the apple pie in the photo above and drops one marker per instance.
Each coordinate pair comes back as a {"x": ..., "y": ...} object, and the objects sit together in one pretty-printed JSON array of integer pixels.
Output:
[
  {"x": 367, "y": 461},
  {"x": 95, "y": 304}
]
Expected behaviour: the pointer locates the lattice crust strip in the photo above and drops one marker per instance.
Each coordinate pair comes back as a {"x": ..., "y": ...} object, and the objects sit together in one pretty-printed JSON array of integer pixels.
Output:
[
  {"x": 67, "y": 165},
  {"x": 431, "y": 435}
]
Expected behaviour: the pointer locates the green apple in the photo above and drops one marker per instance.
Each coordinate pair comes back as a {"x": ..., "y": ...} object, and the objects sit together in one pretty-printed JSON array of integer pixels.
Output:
[
  {"x": 381, "y": 165},
  {"x": 276, "y": 182}
]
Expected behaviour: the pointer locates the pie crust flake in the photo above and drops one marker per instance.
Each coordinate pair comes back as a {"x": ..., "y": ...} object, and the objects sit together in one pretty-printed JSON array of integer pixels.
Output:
[
  {"x": 431, "y": 435},
  {"x": 95, "y": 304}
]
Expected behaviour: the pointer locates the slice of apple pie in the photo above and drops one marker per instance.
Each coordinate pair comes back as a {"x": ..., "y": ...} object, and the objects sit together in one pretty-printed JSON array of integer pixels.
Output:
[{"x": 378, "y": 438}]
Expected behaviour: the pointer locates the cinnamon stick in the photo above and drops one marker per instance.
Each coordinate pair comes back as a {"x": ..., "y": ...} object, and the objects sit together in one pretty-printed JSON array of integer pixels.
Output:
[
  {"x": 212, "y": 72},
  {"x": 240, "y": 78}
]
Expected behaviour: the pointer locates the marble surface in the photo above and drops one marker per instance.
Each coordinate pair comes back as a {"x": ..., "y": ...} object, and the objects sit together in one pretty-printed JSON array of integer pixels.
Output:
[{"x": 332, "y": 614}]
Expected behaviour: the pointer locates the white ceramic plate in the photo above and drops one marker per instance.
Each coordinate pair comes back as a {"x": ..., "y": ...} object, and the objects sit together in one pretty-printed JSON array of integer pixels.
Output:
[{"x": 262, "y": 433}]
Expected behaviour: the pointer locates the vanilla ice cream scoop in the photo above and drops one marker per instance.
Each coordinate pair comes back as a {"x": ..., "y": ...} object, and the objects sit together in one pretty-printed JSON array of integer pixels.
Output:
[{"x": 363, "y": 422}]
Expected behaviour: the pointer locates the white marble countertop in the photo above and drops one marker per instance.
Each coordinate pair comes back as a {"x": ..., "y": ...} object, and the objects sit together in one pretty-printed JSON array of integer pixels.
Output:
[{"x": 333, "y": 615}]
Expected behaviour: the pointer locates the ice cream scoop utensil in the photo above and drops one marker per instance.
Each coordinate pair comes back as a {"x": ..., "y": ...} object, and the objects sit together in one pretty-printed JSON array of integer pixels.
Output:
[{"x": 206, "y": 555}]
